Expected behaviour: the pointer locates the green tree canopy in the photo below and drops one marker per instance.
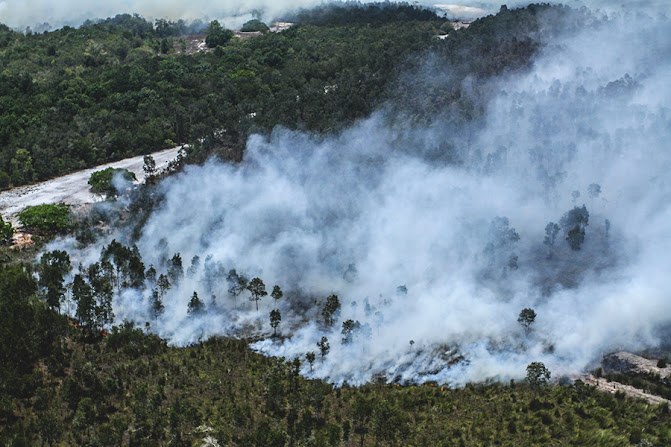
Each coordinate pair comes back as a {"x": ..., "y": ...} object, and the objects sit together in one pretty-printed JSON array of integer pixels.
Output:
[
  {"x": 46, "y": 218},
  {"x": 257, "y": 289},
  {"x": 526, "y": 318},
  {"x": 6, "y": 231},
  {"x": 108, "y": 180},
  {"x": 53, "y": 267},
  {"x": 196, "y": 305},
  {"x": 275, "y": 319},
  {"x": 537, "y": 375},
  {"x": 331, "y": 310},
  {"x": 216, "y": 35},
  {"x": 254, "y": 25}
]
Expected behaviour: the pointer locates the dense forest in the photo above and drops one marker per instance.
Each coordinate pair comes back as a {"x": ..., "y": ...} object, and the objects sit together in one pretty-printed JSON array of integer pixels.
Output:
[
  {"x": 72, "y": 374},
  {"x": 74, "y": 98},
  {"x": 129, "y": 388}
]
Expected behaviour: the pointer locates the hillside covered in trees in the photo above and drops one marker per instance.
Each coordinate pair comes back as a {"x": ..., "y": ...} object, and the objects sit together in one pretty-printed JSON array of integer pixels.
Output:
[{"x": 75, "y": 98}]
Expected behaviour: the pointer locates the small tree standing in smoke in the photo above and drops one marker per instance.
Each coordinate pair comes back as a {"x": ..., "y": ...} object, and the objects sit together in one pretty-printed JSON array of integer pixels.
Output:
[
  {"x": 551, "y": 230},
  {"x": 323, "y": 346},
  {"x": 310, "y": 357},
  {"x": 277, "y": 294},
  {"x": 537, "y": 376},
  {"x": 175, "y": 268},
  {"x": 195, "y": 264},
  {"x": 526, "y": 319},
  {"x": 163, "y": 284},
  {"x": 575, "y": 237},
  {"x": 348, "y": 329},
  {"x": 593, "y": 190},
  {"x": 574, "y": 223},
  {"x": 331, "y": 310},
  {"x": 216, "y": 35},
  {"x": 196, "y": 305},
  {"x": 150, "y": 274},
  {"x": 157, "y": 306},
  {"x": 499, "y": 249},
  {"x": 258, "y": 290},
  {"x": 502, "y": 234},
  {"x": 275, "y": 318},
  {"x": 149, "y": 168},
  {"x": 237, "y": 283}
]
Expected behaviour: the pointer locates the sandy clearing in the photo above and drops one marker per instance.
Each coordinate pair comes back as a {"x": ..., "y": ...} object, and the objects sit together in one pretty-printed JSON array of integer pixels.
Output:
[
  {"x": 73, "y": 189},
  {"x": 628, "y": 363},
  {"x": 613, "y": 387}
]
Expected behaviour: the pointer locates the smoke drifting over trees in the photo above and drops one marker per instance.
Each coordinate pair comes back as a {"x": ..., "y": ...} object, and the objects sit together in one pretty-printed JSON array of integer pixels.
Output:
[
  {"x": 464, "y": 240},
  {"x": 46, "y": 14},
  {"x": 40, "y": 13}
]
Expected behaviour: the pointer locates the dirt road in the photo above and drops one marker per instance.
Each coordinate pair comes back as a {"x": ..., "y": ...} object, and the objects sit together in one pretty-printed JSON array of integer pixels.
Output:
[
  {"x": 613, "y": 387},
  {"x": 72, "y": 189}
]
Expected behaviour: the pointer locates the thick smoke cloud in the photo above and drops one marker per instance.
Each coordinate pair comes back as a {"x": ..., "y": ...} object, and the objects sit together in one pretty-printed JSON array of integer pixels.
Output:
[{"x": 360, "y": 214}]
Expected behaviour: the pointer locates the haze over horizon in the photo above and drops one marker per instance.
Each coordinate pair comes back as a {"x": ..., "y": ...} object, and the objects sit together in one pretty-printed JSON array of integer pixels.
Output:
[{"x": 19, "y": 14}]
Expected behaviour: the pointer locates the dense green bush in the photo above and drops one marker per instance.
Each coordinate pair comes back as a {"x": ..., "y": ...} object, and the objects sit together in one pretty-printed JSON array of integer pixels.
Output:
[
  {"x": 102, "y": 181},
  {"x": 254, "y": 25},
  {"x": 216, "y": 35},
  {"x": 46, "y": 218}
]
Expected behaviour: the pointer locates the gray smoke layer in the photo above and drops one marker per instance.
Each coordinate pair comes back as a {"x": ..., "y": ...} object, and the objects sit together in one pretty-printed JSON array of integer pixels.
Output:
[
  {"x": 358, "y": 216},
  {"x": 233, "y": 13},
  {"x": 19, "y": 14},
  {"x": 22, "y": 13}
]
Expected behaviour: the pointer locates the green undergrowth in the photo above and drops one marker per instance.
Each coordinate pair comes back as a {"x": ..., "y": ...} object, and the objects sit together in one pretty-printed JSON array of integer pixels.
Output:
[{"x": 131, "y": 388}]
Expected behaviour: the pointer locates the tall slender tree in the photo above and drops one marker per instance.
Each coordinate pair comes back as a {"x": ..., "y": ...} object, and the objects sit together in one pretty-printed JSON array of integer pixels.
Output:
[
  {"x": 54, "y": 265},
  {"x": 526, "y": 318},
  {"x": 331, "y": 310},
  {"x": 257, "y": 289},
  {"x": 324, "y": 347},
  {"x": 277, "y": 294},
  {"x": 275, "y": 318},
  {"x": 551, "y": 230}
]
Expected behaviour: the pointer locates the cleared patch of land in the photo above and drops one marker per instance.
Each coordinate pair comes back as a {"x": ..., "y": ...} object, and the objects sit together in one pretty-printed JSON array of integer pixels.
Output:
[
  {"x": 613, "y": 387},
  {"x": 73, "y": 189}
]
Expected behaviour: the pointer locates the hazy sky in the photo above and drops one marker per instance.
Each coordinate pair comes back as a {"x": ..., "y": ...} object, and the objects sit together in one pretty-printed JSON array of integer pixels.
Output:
[{"x": 22, "y": 13}]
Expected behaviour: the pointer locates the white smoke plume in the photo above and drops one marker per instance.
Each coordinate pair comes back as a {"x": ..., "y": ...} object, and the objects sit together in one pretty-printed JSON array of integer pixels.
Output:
[{"x": 358, "y": 216}]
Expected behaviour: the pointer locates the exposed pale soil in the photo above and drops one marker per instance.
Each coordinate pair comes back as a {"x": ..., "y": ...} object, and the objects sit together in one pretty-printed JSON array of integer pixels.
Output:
[
  {"x": 196, "y": 42},
  {"x": 627, "y": 363},
  {"x": 613, "y": 387},
  {"x": 72, "y": 189}
]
